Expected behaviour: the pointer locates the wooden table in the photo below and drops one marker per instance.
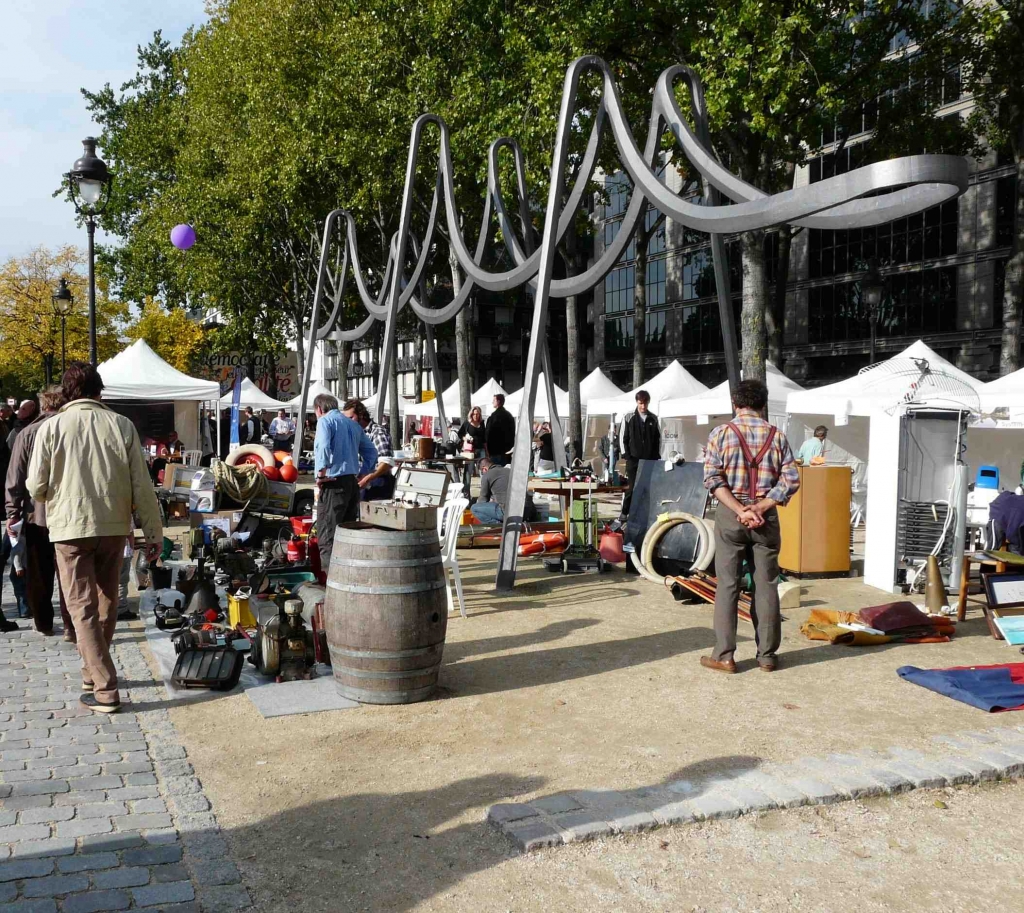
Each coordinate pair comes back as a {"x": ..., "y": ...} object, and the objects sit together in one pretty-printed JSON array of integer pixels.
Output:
[
  {"x": 565, "y": 489},
  {"x": 983, "y": 561}
]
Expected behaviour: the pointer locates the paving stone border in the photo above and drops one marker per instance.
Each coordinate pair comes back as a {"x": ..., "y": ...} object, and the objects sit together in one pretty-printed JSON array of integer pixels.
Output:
[
  {"x": 97, "y": 812},
  {"x": 577, "y": 815}
]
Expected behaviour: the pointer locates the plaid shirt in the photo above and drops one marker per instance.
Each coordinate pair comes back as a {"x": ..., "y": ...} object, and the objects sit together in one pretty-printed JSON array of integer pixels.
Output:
[
  {"x": 382, "y": 441},
  {"x": 777, "y": 475}
]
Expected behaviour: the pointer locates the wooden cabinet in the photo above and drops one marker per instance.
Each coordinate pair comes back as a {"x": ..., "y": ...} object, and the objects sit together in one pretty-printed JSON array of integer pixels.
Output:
[{"x": 816, "y": 522}]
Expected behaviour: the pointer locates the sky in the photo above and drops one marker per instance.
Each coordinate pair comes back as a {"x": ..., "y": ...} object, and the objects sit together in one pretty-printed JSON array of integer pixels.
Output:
[{"x": 49, "y": 49}]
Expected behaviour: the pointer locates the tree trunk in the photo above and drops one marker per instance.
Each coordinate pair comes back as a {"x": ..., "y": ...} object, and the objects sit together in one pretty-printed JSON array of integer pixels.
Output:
[
  {"x": 463, "y": 343},
  {"x": 395, "y": 421},
  {"x": 640, "y": 313},
  {"x": 418, "y": 363},
  {"x": 777, "y": 312},
  {"x": 1013, "y": 286},
  {"x": 271, "y": 369},
  {"x": 753, "y": 328},
  {"x": 344, "y": 353}
]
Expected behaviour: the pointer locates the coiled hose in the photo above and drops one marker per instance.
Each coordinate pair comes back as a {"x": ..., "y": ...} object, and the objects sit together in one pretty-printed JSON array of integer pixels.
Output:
[
  {"x": 705, "y": 546},
  {"x": 241, "y": 483}
]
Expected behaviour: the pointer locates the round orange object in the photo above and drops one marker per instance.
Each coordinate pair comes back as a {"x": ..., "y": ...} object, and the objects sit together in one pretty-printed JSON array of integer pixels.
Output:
[
  {"x": 272, "y": 473},
  {"x": 288, "y": 472},
  {"x": 282, "y": 456}
]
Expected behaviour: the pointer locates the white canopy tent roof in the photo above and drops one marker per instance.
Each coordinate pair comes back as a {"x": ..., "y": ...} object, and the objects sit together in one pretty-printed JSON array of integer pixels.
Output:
[
  {"x": 671, "y": 383},
  {"x": 1005, "y": 393},
  {"x": 882, "y": 387},
  {"x": 139, "y": 373},
  {"x": 597, "y": 385},
  {"x": 717, "y": 401},
  {"x": 481, "y": 398},
  {"x": 316, "y": 388},
  {"x": 253, "y": 396},
  {"x": 540, "y": 406},
  {"x": 404, "y": 402}
]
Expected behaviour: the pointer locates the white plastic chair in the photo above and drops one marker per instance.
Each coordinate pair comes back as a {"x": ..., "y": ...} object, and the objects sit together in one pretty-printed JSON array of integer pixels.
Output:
[
  {"x": 192, "y": 457},
  {"x": 449, "y": 519}
]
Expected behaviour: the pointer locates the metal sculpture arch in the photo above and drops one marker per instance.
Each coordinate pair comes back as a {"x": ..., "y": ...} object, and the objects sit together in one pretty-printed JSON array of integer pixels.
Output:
[{"x": 870, "y": 195}]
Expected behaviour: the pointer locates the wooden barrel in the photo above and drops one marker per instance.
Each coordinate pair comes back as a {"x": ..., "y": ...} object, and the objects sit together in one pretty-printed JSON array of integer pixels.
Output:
[{"x": 386, "y": 613}]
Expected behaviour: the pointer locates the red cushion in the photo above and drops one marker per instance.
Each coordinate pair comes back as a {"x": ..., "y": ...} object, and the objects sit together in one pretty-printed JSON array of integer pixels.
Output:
[{"x": 893, "y": 615}]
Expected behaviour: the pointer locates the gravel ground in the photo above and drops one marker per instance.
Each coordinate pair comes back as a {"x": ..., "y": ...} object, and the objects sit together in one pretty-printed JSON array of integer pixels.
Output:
[{"x": 594, "y": 682}]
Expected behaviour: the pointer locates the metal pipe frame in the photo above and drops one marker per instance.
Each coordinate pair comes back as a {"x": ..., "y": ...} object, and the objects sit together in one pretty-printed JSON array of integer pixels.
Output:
[{"x": 870, "y": 195}]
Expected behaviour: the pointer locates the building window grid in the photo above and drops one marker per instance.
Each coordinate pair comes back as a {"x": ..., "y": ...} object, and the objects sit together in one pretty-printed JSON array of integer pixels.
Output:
[
  {"x": 620, "y": 335},
  {"x": 914, "y": 304},
  {"x": 924, "y": 236},
  {"x": 1006, "y": 205}
]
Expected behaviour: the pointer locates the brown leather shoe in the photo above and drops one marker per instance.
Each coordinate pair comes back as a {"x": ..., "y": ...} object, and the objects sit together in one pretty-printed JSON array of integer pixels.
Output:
[
  {"x": 768, "y": 665},
  {"x": 728, "y": 666}
]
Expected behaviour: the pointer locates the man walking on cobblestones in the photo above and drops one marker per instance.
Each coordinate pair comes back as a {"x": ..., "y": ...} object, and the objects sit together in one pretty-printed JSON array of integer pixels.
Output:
[{"x": 87, "y": 465}]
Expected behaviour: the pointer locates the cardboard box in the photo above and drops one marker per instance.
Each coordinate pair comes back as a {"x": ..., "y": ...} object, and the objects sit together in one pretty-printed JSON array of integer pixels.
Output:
[
  {"x": 178, "y": 479},
  {"x": 227, "y": 520}
]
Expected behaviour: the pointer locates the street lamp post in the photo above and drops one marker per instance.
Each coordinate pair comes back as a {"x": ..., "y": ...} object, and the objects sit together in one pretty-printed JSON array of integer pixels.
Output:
[
  {"x": 872, "y": 289},
  {"x": 63, "y": 301},
  {"x": 89, "y": 182}
]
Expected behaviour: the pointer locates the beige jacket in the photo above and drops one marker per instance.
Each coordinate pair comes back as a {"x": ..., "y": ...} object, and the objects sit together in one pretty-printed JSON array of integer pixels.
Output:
[{"x": 87, "y": 465}]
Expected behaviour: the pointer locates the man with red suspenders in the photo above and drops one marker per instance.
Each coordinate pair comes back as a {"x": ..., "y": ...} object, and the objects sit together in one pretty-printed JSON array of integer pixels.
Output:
[{"x": 749, "y": 468}]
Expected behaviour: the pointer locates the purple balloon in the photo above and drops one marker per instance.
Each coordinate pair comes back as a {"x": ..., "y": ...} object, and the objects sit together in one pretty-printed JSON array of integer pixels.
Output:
[{"x": 183, "y": 236}]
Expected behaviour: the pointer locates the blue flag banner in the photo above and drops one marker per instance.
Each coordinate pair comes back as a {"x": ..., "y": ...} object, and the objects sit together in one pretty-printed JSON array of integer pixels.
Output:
[{"x": 236, "y": 397}]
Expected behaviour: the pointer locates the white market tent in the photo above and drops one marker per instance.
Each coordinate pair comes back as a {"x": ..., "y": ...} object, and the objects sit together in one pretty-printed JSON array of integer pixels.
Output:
[
  {"x": 139, "y": 374},
  {"x": 316, "y": 388},
  {"x": 718, "y": 401},
  {"x": 881, "y": 388},
  {"x": 403, "y": 404},
  {"x": 481, "y": 398},
  {"x": 597, "y": 385},
  {"x": 603, "y": 411},
  {"x": 252, "y": 395},
  {"x": 681, "y": 416},
  {"x": 540, "y": 408},
  {"x": 1005, "y": 393},
  {"x": 673, "y": 381}
]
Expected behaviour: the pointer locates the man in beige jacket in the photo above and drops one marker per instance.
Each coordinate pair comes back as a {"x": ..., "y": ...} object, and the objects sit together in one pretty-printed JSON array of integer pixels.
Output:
[{"x": 87, "y": 465}]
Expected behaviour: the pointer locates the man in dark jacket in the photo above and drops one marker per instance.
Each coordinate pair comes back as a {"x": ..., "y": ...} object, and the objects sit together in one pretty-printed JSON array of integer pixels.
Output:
[
  {"x": 641, "y": 440},
  {"x": 41, "y": 570},
  {"x": 499, "y": 433}
]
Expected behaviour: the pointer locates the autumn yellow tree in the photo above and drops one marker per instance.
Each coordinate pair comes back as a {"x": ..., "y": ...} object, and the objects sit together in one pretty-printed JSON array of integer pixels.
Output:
[
  {"x": 169, "y": 333},
  {"x": 30, "y": 330}
]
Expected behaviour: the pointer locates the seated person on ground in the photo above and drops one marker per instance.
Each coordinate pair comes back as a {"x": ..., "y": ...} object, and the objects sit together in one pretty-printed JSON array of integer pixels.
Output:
[{"x": 489, "y": 508}]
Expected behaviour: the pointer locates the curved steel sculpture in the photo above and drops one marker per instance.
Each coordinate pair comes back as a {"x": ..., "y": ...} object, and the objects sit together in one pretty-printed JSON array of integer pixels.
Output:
[{"x": 870, "y": 195}]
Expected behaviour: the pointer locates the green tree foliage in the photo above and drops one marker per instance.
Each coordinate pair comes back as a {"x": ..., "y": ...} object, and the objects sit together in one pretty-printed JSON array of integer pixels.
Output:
[{"x": 780, "y": 74}]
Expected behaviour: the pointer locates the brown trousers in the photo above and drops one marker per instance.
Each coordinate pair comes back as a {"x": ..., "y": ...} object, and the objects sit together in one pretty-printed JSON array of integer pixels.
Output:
[
  {"x": 41, "y": 574},
  {"x": 89, "y": 573},
  {"x": 732, "y": 539}
]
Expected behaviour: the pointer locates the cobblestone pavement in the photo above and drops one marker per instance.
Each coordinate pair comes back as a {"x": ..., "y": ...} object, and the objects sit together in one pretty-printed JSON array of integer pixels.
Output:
[
  {"x": 571, "y": 817},
  {"x": 100, "y": 812}
]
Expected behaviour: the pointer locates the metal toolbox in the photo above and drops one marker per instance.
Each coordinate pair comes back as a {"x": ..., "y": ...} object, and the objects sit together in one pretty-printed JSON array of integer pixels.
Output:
[{"x": 418, "y": 494}]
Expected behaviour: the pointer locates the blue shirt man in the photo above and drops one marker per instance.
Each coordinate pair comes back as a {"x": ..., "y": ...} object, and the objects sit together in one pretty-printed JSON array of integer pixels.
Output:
[{"x": 338, "y": 447}]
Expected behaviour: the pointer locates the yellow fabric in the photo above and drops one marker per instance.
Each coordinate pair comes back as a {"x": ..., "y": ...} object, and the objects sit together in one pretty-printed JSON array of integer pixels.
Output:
[{"x": 823, "y": 624}]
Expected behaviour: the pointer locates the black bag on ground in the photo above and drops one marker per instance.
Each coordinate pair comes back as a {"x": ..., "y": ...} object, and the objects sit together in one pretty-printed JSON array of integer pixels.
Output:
[{"x": 218, "y": 668}]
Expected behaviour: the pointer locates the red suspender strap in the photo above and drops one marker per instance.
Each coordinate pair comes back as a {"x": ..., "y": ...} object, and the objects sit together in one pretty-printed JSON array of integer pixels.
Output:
[{"x": 753, "y": 462}]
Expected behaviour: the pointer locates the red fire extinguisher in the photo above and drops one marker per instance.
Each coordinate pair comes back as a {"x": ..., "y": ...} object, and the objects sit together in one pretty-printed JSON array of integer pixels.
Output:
[
  {"x": 314, "y": 560},
  {"x": 296, "y": 550}
]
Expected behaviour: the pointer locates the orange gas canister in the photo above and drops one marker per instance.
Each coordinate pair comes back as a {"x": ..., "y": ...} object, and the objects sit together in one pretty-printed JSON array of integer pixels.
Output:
[{"x": 611, "y": 547}]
